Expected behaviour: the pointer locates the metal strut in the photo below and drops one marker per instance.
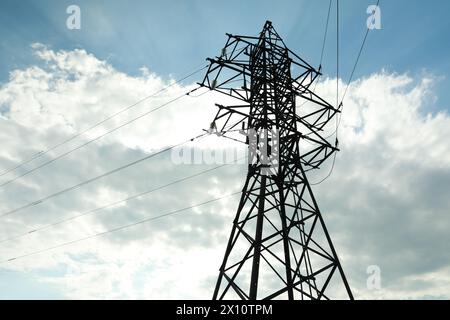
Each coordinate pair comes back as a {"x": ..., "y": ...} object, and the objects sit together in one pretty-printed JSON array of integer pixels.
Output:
[{"x": 279, "y": 246}]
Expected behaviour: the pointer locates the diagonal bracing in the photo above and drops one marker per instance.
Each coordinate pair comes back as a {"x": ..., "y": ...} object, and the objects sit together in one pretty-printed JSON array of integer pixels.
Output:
[{"x": 279, "y": 246}]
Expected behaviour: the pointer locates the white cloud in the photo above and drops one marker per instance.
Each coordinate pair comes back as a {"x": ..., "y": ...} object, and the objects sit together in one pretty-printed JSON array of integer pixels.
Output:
[{"x": 385, "y": 204}]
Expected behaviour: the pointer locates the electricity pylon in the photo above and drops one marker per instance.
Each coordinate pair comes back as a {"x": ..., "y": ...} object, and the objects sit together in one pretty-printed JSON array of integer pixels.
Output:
[{"x": 279, "y": 247}]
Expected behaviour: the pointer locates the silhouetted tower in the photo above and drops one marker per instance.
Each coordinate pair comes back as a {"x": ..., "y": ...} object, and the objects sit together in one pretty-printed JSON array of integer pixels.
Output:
[{"x": 279, "y": 247}]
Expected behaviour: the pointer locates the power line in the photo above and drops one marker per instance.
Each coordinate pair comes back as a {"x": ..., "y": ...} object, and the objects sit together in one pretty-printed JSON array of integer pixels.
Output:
[
  {"x": 353, "y": 71},
  {"x": 31, "y": 158},
  {"x": 118, "y": 228},
  {"x": 39, "y": 201},
  {"x": 337, "y": 92},
  {"x": 357, "y": 59},
  {"x": 337, "y": 53},
  {"x": 325, "y": 34},
  {"x": 338, "y": 122},
  {"x": 112, "y": 204},
  {"x": 351, "y": 77},
  {"x": 95, "y": 139},
  {"x": 80, "y": 133},
  {"x": 322, "y": 51},
  {"x": 329, "y": 173}
]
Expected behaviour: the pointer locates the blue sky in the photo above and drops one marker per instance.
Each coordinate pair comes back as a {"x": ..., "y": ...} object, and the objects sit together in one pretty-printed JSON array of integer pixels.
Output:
[
  {"x": 170, "y": 37},
  {"x": 173, "y": 37}
]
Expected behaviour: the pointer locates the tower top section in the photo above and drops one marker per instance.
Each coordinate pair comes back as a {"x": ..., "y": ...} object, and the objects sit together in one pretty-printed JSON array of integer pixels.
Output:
[{"x": 273, "y": 87}]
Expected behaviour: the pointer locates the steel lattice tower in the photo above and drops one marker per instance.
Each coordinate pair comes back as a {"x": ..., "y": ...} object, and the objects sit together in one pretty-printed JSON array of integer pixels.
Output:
[{"x": 279, "y": 247}]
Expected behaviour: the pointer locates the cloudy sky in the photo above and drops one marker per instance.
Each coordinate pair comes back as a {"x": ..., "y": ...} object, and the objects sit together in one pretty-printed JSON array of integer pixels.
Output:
[{"x": 386, "y": 203}]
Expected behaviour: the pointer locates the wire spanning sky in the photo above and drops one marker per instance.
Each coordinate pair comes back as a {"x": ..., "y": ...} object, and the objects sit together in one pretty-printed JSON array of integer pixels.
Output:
[{"x": 385, "y": 204}]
